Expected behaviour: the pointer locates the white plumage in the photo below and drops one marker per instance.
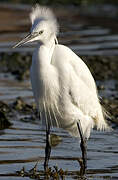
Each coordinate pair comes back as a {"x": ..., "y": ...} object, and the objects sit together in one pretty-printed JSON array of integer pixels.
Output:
[
  {"x": 63, "y": 87},
  {"x": 42, "y": 14}
]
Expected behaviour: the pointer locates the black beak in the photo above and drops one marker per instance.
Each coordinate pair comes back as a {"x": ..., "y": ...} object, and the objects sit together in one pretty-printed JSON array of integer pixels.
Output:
[{"x": 26, "y": 39}]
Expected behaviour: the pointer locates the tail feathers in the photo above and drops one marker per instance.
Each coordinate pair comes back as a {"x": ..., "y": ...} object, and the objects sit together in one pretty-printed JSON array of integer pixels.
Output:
[
  {"x": 100, "y": 120},
  {"x": 103, "y": 126}
]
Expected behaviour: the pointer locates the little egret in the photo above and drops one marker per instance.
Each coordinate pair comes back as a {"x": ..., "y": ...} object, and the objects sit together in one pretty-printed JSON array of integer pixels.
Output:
[{"x": 63, "y": 87}]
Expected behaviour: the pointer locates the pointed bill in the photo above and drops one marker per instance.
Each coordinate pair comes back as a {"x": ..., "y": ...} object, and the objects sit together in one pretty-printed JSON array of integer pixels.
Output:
[{"x": 27, "y": 39}]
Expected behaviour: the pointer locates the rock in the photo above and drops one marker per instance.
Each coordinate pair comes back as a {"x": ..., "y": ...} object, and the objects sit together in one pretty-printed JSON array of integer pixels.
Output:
[
  {"x": 21, "y": 106},
  {"x": 4, "y": 122},
  {"x": 55, "y": 140},
  {"x": 5, "y": 111},
  {"x": 5, "y": 108},
  {"x": 17, "y": 64}
]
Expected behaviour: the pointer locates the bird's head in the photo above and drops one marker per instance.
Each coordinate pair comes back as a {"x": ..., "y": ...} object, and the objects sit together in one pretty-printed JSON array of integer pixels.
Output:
[{"x": 44, "y": 26}]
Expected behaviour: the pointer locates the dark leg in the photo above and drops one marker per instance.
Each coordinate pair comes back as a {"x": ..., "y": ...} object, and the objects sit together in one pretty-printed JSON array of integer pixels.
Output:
[
  {"x": 47, "y": 148},
  {"x": 83, "y": 149}
]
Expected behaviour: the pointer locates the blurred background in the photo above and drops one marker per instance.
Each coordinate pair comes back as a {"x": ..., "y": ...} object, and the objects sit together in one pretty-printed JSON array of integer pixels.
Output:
[{"x": 90, "y": 29}]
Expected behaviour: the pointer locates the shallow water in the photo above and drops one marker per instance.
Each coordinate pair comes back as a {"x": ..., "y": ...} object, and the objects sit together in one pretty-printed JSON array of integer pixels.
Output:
[
  {"x": 24, "y": 142},
  {"x": 83, "y": 35},
  {"x": 92, "y": 41}
]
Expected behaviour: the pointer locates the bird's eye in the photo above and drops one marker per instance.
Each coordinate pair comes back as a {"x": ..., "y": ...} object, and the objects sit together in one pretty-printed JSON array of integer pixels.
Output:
[{"x": 40, "y": 32}]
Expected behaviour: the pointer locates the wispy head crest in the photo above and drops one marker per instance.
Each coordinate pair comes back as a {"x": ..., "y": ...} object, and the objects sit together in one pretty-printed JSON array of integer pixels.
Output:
[{"x": 45, "y": 14}]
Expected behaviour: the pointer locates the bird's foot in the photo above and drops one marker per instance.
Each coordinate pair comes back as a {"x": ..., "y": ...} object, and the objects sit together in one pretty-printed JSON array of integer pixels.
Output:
[
  {"x": 82, "y": 171},
  {"x": 45, "y": 166}
]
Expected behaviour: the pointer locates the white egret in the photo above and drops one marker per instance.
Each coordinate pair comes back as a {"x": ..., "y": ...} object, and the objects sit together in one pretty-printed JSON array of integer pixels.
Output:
[{"x": 63, "y": 87}]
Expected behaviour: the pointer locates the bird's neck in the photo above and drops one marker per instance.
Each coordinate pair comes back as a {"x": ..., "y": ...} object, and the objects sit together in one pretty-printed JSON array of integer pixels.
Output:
[{"x": 46, "y": 51}]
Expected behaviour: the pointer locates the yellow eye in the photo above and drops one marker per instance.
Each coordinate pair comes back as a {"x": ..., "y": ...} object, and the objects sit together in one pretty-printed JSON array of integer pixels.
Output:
[{"x": 40, "y": 32}]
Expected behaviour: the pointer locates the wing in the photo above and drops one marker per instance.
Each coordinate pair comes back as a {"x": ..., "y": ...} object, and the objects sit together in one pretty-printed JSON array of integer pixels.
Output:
[
  {"x": 78, "y": 86},
  {"x": 77, "y": 80},
  {"x": 76, "y": 62}
]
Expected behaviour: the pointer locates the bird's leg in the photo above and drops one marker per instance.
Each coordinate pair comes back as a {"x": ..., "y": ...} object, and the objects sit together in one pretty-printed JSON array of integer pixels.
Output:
[
  {"x": 83, "y": 147},
  {"x": 47, "y": 148}
]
